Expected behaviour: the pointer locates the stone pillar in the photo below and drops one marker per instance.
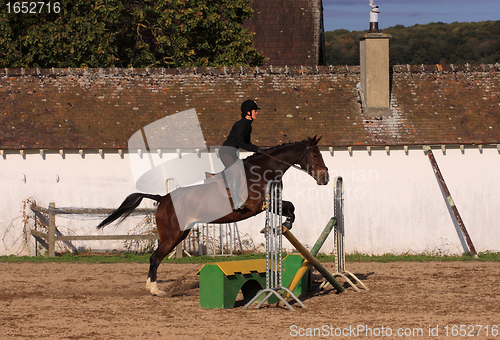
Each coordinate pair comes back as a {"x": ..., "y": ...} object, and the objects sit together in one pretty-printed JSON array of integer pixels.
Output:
[{"x": 374, "y": 62}]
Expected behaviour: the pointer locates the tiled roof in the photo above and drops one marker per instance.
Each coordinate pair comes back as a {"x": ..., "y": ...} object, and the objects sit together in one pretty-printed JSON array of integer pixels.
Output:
[{"x": 103, "y": 108}]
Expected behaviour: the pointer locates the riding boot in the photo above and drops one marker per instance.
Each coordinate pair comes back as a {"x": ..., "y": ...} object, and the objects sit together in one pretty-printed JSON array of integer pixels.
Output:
[{"x": 238, "y": 203}]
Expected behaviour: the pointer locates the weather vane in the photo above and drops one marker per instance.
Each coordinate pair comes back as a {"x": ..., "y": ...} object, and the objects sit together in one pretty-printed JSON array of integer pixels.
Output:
[{"x": 374, "y": 18}]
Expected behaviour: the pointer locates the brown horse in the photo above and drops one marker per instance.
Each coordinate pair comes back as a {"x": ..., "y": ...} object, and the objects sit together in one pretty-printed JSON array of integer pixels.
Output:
[{"x": 200, "y": 203}]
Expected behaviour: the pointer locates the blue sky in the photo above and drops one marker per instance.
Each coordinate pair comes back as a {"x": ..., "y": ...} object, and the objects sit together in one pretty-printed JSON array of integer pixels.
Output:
[{"x": 354, "y": 15}]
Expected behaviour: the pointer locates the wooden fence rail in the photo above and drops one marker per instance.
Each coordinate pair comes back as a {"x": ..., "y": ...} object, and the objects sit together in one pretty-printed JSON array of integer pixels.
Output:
[{"x": 51, "y": 238}]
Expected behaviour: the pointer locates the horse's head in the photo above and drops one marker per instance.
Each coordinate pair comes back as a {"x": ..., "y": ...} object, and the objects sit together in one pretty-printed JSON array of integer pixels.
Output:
[{"x": 313, "y": 162}]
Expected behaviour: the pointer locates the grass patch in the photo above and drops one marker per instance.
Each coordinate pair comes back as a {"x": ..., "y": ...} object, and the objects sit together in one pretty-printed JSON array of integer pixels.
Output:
[
  {"x": 84, "y": 258},
  {"x": 119, "y": 257}
]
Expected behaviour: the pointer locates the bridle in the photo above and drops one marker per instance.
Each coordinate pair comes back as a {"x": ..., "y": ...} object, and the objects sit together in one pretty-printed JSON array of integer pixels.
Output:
[{"x": 306, "y": 154}]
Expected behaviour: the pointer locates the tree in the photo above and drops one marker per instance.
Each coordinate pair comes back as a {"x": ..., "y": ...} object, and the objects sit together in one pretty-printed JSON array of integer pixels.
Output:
[
  {"x": 456, "y": 43},
  {"x": 190, "y": 33},
  {"x": 76, "y": 33},
  {"x": 342, "y": 47},
  {"x": 128, "y": 33}
]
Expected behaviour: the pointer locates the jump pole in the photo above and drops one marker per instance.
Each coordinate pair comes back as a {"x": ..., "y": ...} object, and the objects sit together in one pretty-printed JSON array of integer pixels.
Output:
[
  {"x": 314, "y": 251},
  {"x": 336, "y": 222},
  {"x": 274, "y": 248},
  {"x": 312, "y": 260},
  {"x": 338, "y": 210}
]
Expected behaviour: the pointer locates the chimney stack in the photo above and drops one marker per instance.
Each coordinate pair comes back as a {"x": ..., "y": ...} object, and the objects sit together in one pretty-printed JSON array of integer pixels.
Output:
[{"x": 374, "y": 65}]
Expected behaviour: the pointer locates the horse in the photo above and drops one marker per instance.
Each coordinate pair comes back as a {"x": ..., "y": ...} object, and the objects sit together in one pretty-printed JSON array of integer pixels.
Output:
[{"x": 199, "y": 203}]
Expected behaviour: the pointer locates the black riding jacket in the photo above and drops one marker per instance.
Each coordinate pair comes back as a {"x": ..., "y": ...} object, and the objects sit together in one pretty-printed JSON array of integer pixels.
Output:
[{"x": 239, "y": 137}]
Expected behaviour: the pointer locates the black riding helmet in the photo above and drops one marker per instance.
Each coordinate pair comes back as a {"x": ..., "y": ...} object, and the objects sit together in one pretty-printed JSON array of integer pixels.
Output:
[{"x": 247, "y": 106}]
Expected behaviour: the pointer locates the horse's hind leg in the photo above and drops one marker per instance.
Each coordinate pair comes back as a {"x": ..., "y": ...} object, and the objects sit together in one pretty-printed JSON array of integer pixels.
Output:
[
  {"x": 164, "y": 248},
  {"x": 288, "y": 210}
]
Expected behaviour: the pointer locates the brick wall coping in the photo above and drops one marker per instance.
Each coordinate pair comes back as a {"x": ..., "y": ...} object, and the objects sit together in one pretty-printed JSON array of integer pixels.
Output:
[{"x": 233, "y": 71}]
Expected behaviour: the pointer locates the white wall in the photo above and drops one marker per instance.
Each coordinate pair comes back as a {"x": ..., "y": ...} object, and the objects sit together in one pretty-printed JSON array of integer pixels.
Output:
[
  {"x": 394, "y": 204},
  {"x": 392, "y": 201},
  {"x": 91, "y": 181}
]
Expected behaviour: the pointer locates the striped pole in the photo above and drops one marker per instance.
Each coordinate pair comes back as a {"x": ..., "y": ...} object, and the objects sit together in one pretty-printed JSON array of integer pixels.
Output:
[
  {"x": 314, "y": 251},
  {"x": 312, "y": 260},
  {"x": 450, "y": 201}
]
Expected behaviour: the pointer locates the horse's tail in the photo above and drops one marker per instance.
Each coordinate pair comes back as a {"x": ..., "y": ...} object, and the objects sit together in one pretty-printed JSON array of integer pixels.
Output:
[{"x": 127, "y": 207}]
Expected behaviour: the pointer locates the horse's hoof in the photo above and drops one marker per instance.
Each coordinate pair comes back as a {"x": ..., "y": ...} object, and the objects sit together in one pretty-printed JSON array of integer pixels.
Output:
[
  {"x": 288, "y": 225},
  {"x": 159, "y": 293},
  {"x": 155, "y": 291}
]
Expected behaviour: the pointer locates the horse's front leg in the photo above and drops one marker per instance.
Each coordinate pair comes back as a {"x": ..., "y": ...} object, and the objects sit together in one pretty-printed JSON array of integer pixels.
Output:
[{"x": 288, "y": 210}]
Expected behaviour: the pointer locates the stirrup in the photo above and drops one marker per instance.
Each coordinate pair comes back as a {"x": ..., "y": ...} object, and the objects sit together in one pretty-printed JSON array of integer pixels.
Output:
[{"x": 240, "y": 207}]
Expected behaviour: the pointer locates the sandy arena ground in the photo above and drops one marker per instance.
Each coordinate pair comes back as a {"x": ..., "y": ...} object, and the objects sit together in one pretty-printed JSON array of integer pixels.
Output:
[{"x": 109, "y": 301}]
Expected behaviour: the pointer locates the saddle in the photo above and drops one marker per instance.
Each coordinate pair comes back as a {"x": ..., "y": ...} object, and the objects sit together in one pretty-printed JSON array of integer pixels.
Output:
[
  {"x": 222, "y": 183},
  {"x": 210, "y": 176},
  {"x": 218, "y": 178}
]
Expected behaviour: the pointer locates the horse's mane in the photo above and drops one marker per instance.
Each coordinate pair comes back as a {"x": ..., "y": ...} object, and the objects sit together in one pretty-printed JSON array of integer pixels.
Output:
[{"x": 274, "y": 148}]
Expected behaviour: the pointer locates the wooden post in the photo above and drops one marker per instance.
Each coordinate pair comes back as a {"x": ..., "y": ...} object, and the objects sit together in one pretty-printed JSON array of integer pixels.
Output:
[
  {"x": 179, "y": 250},
  {"x": 450, "y": 201},
  {"x": 52, "y": 230}
]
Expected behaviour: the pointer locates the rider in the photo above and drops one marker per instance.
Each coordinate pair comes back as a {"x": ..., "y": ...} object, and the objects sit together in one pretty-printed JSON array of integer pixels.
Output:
[{"x": 239, "y": 137}]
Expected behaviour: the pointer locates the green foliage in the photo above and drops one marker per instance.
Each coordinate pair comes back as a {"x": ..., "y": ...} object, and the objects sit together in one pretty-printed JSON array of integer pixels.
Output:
[
  {"x": 144, "y": 258},
  {"x": 435, "y": 43},
  {"x": 80, "y": 35},
  {"x": 125, "y": 257},
  {"x": 342, "y": 47},
  {"x": 129, "y": 33}
]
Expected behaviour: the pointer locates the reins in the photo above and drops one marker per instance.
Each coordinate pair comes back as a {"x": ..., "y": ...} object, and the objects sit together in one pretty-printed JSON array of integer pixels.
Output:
[
  {"x": 293, "y": 165},
  {"x": 282, "y": 161}
]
